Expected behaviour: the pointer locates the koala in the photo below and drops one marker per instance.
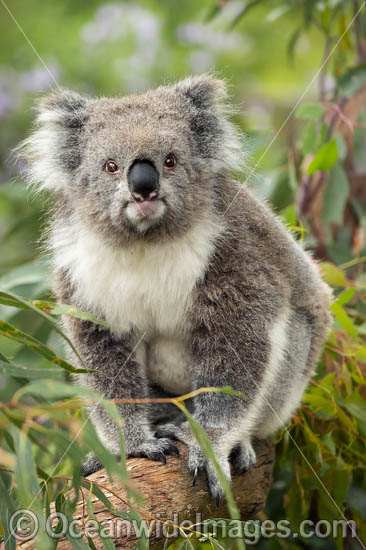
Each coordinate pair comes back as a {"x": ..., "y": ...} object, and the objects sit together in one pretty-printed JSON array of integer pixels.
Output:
[{"x": 200, "y": 283}]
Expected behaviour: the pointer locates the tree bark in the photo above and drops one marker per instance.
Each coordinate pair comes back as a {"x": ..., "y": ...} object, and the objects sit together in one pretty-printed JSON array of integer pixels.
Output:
[{"x": 169, "y": 495}]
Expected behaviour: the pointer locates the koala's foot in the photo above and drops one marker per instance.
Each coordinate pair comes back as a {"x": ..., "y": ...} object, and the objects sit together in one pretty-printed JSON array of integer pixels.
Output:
[
  {"x": 243, "y": 457},
  {"x": 153, "y": 448},
  {"x": 198, "y": 462},
  {"x": 90, "y": 465}
]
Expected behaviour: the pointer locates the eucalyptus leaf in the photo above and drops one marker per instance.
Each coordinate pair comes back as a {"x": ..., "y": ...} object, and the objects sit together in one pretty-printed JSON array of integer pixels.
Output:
[
  {"x": 333, "y": 275},
  {"x": 30, "y": 373},
  {"x": 335, "y": 196},
  {"x": 309, "y": 138},
  {"x": 325, "y": 158},
  {"x": 13, "y": 333},
  {"x": 344, "y": 320},
  {"x": 11, "y": 299}
]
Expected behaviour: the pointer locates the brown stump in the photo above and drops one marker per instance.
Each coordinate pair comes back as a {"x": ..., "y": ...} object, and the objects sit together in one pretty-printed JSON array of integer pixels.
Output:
[{"x": 170, "y": 496}]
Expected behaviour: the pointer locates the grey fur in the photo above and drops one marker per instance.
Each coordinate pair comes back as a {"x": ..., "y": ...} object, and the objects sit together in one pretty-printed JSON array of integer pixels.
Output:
[{"x": 257, "y": 283}]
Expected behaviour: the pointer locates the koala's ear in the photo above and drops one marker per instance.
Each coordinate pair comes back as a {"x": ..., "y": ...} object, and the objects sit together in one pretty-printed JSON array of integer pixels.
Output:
[
  {"x": 64, "y": 109},
  {"x": 208, "y": 114},
  {"x": 204, "y": 91},
  {"x": 53, "y": 151}
]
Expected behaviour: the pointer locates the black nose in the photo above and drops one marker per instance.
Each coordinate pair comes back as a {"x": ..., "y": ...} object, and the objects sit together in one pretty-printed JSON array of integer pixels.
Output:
[{"x": 143, "y": 180}]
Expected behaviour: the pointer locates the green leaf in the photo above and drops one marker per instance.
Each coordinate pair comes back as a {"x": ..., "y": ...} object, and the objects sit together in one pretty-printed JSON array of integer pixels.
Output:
[
  {"x": 25, "y": 473},
  {"x": 63, "y": 309},
  {"x": 341, "y": 146},
  {"x": 27, "y": 274},
  {"x": 357, "y": 410},
  {"x": 291, "y": 46},
  {"x": 335, "y": 196},
  {"x": 19, "y": 336},
  {"x": 11, "y": 299},
  {"x": 319, "y": 404},
  {"x": 357, "y": 499},
  {"x": 312, "y": 111},
  {"x": 329, "y": 442},
  {"x": 289, "y": 216},
  {"x": 309, "y": 139},
  {"x": 55, "y": 390},
  {"x": 98, "y": 493},
  {"x": 30, "y": 373},
  {"x": 77, "y": 543},
  {"x": 345, "y": 296},
  {"x": 352, "y": 80},
  {"x": 325, "y": 158},
  {"x": 344, "y": 320},
  {"x": 333, "y": 275}
]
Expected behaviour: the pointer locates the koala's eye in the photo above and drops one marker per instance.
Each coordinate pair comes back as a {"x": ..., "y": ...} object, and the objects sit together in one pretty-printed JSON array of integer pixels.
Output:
[
  {"x": 111, "y": 167},
  {"x": 170, "y": 162}
]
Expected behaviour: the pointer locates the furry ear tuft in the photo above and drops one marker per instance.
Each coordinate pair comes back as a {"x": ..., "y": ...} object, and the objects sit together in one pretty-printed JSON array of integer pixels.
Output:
[
  {"x": 64, "y": 108},
  {"x": 203, "y": 91},
  {"x": 206, "y": 108},
  {"x": 52, "y": 152}
]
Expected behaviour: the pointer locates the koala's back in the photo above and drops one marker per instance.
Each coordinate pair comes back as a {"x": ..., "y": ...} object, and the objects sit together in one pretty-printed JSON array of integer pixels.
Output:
[
  {"x": 261, "y": 274},
  {"x": 261, "y": 249}
]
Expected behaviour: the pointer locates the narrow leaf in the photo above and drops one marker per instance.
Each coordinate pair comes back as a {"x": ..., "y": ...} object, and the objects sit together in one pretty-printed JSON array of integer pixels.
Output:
[
  {"x": 17, "y": 335},
  {"x": 325, "y": 158},
  {"x": 30, "y": 373}
]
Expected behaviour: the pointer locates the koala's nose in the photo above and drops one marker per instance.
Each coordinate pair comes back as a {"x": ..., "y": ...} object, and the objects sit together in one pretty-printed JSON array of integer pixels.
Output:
[{"x": 143, "y": 180}]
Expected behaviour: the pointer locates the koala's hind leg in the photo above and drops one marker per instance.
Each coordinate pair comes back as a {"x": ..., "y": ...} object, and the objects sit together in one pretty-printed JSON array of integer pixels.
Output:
[{"x": 284, "y": 393}]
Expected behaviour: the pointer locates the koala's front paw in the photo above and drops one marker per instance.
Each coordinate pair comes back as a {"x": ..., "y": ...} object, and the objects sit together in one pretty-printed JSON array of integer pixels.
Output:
[
  {"x": 243, "y": 457},
  {"x": 153, "y": 448}
]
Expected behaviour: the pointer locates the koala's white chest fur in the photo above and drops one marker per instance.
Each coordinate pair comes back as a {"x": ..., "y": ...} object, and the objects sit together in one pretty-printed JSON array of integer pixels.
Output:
[{"x": 147, "y": 288}]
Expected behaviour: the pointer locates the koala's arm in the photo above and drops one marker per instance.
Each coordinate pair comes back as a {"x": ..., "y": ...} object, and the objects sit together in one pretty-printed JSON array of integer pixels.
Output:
[{"x": 116, "y": 375}]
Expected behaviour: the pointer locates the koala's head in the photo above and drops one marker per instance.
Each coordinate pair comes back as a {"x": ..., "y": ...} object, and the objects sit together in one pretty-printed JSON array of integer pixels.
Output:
[{"x": 139, "y": 166}]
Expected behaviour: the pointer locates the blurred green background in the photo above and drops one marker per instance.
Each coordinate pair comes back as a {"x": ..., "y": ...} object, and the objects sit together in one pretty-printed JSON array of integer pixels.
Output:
[{"x": 297, "y": 76}]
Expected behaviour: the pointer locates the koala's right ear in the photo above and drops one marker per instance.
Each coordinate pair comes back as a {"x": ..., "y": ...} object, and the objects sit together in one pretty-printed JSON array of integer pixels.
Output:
[
  {"x": 53, "y": 151},
  {"x": 65, "y": 109}
]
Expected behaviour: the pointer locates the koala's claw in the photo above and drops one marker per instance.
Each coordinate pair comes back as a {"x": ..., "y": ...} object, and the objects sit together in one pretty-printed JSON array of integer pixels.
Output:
[
  {"x": 173, "y": 450},
  {"x": 198, "y": 462},
  {"x": 218, "y": 500},
  {"x": 243, "y": 457},
  {"x": 154, "y": 449}
]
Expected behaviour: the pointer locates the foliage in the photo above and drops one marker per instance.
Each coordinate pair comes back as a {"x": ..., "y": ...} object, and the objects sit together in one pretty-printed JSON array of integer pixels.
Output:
[{"x": 317, "y": 185}]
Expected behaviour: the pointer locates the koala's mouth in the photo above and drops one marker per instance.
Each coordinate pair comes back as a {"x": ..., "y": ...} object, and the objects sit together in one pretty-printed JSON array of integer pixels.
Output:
[{"x": 148, "y": 210}]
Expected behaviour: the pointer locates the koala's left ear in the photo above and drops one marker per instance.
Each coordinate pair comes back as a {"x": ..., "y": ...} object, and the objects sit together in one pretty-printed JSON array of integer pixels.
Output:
[
  {"x": 204, "y": 91},
  {"x": 53, "y": 151},
  {"x": 217, "y": 139}
]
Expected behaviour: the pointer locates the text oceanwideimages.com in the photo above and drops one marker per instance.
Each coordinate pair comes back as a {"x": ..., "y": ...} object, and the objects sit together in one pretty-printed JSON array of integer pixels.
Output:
[{"x": 25, "y": 525}]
